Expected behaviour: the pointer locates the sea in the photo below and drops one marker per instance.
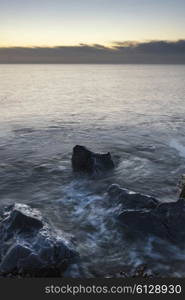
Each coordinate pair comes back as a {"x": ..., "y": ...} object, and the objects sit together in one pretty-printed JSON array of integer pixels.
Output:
[{"x": 135, "y": 112}]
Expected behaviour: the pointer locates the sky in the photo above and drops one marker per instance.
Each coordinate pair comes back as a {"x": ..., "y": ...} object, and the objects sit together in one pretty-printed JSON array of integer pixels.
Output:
[
  {"x": 49, "y": 23},
  {"x": 92, "y": 31}
]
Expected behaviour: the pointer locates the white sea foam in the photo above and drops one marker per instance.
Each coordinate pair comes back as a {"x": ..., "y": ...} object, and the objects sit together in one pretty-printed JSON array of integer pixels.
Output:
[{"x": 179, "y": 147}]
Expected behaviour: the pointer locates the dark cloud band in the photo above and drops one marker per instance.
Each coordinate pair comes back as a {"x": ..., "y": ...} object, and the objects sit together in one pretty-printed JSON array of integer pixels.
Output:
[{"x": 150, "y": 52}]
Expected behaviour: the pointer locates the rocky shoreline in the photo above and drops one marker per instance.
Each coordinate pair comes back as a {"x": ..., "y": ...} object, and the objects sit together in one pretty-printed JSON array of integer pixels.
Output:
[{"x": 30, "y": 246}]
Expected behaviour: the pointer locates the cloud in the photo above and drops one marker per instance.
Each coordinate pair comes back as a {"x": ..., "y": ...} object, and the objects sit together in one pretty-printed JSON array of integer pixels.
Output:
[
  {"x": 150, "y": 52},
  {"x": 154, "y": 47}
]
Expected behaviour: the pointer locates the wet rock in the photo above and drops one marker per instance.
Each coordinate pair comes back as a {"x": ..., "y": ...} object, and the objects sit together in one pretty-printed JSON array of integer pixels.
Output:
[
  {"x": 172, "y": 215},
  {"x": 130, "y": 199},
  {"x": 166, "y": 221},
  {"x": 28, "y": 244},
  {"x": 144, "y": 216},
  {"x": 181, "y": 186},
  {"x": 22, "y": 219},
  {"x": 84, "y": 160},
  {"x": 141, "y": 225}
]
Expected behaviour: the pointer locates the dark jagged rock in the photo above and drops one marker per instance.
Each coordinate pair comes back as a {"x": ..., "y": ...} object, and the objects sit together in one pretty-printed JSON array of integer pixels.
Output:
[
  {"x": 142, "y": 220},
  {"x": 29, "y": 244},
  {"x": 130, "y": 199},
  {"x": 143, "y": 216},
  {"x": 84, "y": 160}
]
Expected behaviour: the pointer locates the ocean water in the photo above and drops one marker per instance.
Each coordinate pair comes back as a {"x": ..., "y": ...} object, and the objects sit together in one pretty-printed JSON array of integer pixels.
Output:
[{"x": 137, "y": 112}]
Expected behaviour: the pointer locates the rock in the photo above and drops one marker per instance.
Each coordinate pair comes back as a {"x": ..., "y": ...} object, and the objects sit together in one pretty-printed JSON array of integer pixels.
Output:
[
  {"x": 172, "y": 215},
  {"x": 143, "y": 216},
  {"x": 22, "y": 219},
  {"x": 166, "y": 221},
  {"x": 130, "y": 199},
  {"x": 84, "y": 160},
  {"x": 182, "y": 187},
  {"x": 30, "y": 245},
  {"x": 140, "y": 225}
]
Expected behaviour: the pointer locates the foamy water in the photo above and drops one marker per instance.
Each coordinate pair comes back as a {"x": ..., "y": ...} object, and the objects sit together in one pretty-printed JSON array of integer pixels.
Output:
[
  {"x": 134, "y": 111},
  {"x": 179, "y": 147}
]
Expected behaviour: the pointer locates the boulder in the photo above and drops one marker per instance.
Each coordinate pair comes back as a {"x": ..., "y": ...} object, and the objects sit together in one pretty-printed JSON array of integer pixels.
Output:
[
  {"x": 165, "y": 221},
  {"x": 84, "y": 160},
  {"x": 143, "y": 216},
  {"x": 30, "y": 245}
]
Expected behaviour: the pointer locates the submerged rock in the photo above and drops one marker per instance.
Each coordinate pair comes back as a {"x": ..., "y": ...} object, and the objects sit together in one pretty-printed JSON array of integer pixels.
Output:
[
  {"x": 30, "y": 245},
  {"x": 84, "y": 160}
]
